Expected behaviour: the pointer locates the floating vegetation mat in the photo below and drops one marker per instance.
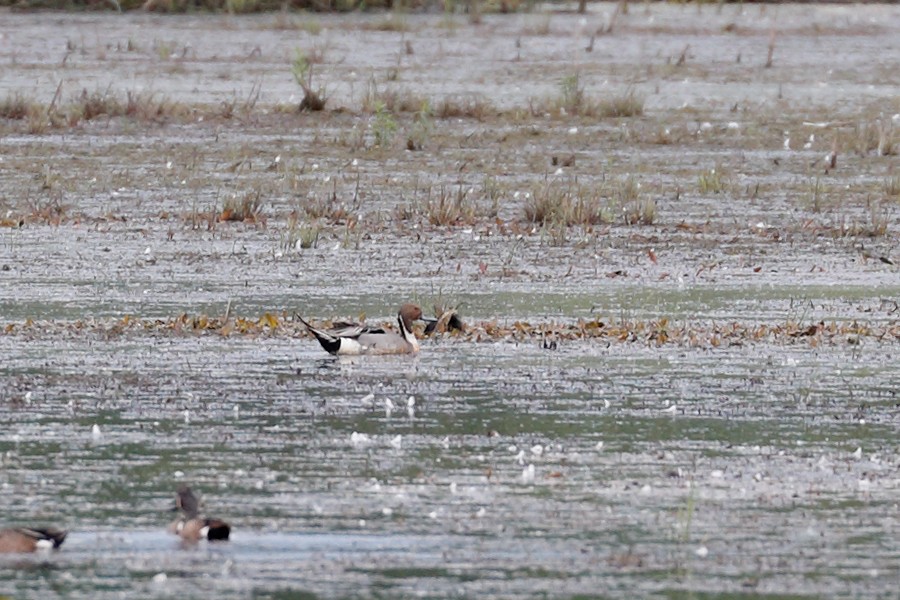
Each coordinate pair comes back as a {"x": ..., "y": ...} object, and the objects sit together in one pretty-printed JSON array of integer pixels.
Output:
[{"x": 656, "y": 332}]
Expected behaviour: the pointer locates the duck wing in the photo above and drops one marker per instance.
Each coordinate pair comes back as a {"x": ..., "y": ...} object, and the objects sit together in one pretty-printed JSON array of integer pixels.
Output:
[{"x": 353, "y": 330}]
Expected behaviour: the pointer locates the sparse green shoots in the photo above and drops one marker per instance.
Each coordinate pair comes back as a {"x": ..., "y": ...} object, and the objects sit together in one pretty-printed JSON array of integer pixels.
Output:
[
  {"x": 164, "y": 49},
  {"x": 314, "y": 99},
  {"x": 573, "y": 100},
  {"x": 684, "y": 522},
  {"x": 421, "y": 129},
  {"x": 394, "y": 100},
  {"x": 384, "y": 125},
  {"x": 493, "y": 191},
  {"x": 636, "y": 209},
  {"x": 299, "y": 235},
  {"x": 817, "y": 192},
  {"x": 241, "y": 6},
  {"x": 627, "y": 189},
  {"x": 572, "y": 94},
  {"x": 712, "y": 181}
]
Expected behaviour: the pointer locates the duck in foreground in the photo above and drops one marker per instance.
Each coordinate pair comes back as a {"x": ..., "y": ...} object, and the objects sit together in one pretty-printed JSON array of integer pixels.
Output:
[
  {"x": 350, "y": 338},
  {"x": 191, "y": 526},
  {"x": 26, "y": 539}
]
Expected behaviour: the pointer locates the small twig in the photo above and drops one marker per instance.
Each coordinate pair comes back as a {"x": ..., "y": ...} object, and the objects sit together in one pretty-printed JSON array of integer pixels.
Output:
[
  {"x": 56, "y": 97},
  {"x": 683, "y": 58}
]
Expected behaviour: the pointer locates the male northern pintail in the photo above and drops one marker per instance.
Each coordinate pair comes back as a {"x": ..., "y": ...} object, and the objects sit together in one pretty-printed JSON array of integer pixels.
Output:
[
  {"x": 191, "y": 526},
  {"x": 27, "y": 539},
  {"x": 350, "y": 338}
]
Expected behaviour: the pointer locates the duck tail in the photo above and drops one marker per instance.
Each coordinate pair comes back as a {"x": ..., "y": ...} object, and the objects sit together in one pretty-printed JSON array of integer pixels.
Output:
[
  {"x": 47, "y": 534},
  {"x": 331, "y": 343},
  {"x": 217, "y": 529}
]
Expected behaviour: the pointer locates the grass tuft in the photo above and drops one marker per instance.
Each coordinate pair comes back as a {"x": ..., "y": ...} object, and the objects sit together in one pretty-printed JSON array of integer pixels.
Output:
[
  {"x": 314, "y": 98},
  {"x": 246, "y": 208},
  {"x": 629, "y": 104},
  {"x": 448, "y": 208},
  {"x": 391, "y": 23},
  {"x": 464, "y": 107},
  {"x": 712, "y": 181},
  {"x": 300, "y": 235},
  {"x": 384, "y": 125},
  {"x": 574, "y": 101},
  {"x": 891, "y": 187},
  {"x": 15, "y": 107},
  {"x": 552, "y": 202}
]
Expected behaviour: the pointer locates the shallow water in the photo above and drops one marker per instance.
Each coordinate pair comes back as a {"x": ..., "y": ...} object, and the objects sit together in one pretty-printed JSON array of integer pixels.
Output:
[
  {"x": 654, "y": 470},
  {"x": 499, "y": 468}
]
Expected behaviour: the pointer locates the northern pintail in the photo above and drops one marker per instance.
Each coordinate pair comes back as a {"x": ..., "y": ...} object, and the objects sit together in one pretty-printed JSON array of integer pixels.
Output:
[
  {"x": 27, "y": 539},
  {"x": 191, "y": 526},
  {"x": 351, "y": 338}
]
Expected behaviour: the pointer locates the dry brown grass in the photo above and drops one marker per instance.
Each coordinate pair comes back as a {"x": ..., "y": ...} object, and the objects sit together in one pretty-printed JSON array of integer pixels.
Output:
[
  {"x": 329, "y": 204},
  {"x": 640, "y": 212},
  {"x": 246, "y": 207},
  {"x": 393, "y": 100},
  {"x": 451, "y": 207},
  {"x": 573, "y": 100},
  {"x": 629, "y": 104},
  {"x": 464, "y": 107},
  {"x": 91, "y": 105},
  {"x": 16, "y": 107},
  {"x": 878, "y": 136},
  {"x": 567, "y": 203},
  {"x": 395, "y": 23}
]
